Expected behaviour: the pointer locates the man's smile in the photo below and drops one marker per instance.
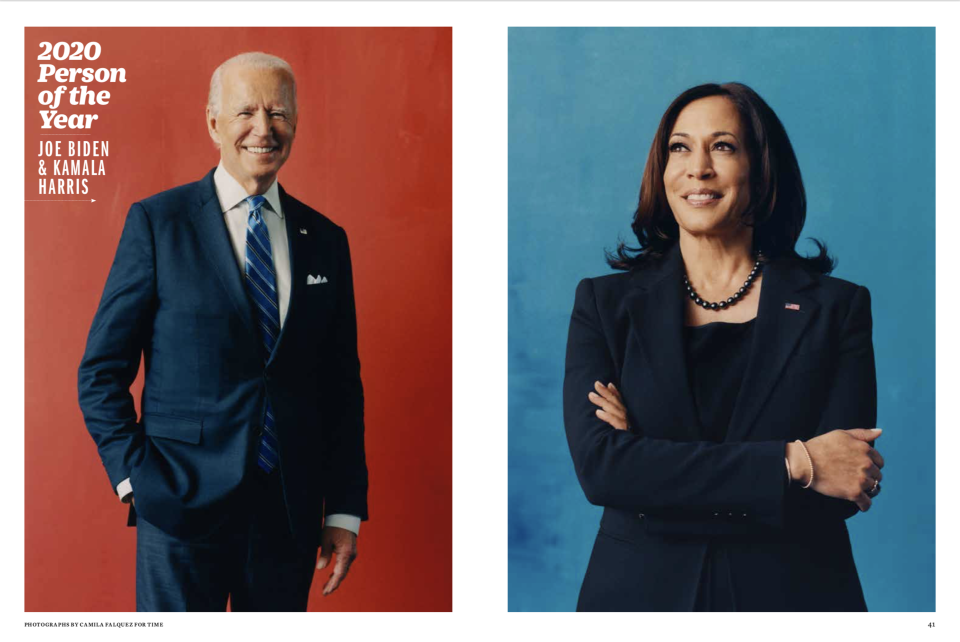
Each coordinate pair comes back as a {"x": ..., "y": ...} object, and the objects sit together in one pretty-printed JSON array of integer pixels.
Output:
[{"x": 261, "y": 150}]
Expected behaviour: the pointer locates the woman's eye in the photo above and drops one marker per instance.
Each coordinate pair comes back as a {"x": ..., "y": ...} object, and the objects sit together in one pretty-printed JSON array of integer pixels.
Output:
[
  {"x": 722, "y": 145},
  {"x": 677, "y": 147}
]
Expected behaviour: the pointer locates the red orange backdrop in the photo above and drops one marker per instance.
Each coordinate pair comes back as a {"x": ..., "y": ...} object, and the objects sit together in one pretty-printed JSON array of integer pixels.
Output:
[{"x": 373, "y": 153}]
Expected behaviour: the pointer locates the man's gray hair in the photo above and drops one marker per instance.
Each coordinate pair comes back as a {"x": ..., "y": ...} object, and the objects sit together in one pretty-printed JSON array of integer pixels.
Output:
[{"x": 254, "y": 59}]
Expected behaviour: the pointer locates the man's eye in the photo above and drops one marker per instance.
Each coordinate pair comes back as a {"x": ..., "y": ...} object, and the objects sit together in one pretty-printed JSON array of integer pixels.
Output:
[{"x": 244, "y": 113}]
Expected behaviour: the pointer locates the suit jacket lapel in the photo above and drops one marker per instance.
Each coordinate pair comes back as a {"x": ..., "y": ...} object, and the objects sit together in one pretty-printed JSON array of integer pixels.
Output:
[
  {"x": 776, "y": 334},
  {"x": 212, "y": 232},
  {"x": 656, "y": 310},
  {"x": 291, "y": 219}
]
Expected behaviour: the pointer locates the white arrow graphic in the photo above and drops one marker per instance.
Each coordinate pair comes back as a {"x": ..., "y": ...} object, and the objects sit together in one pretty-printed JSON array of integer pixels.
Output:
[{"x": 58, "y": 200}]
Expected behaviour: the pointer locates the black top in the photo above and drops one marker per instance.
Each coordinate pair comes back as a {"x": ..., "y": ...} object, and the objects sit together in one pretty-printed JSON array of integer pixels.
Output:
[{"x": 716, "y": 356}]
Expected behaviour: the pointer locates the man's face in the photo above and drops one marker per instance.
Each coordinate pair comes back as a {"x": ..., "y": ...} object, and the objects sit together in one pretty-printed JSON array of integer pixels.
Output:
[{"x": 256, "y": 124}]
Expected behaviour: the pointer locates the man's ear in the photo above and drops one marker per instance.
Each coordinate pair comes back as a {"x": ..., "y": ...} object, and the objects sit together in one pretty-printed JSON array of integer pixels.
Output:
[{"x": 212, "y": 127}]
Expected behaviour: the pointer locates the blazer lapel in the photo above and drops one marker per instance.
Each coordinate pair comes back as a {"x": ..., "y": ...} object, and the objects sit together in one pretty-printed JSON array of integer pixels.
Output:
[
  {"x": 776, "y": 334},
  {"x": 208, "y": 222},
  {"x": 291, "y": 219},
  {"x": 656, "y": 318}
]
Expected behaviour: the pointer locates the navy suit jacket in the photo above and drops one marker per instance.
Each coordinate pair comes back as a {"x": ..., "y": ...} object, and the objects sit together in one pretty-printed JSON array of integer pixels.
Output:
[
  {"x": 174, "y": 294},
  {"x": 667, "y": 493}
]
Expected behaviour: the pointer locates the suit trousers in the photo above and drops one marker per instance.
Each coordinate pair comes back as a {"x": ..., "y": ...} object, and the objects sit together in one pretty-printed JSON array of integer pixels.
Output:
[{"x": 252, "y": 558}]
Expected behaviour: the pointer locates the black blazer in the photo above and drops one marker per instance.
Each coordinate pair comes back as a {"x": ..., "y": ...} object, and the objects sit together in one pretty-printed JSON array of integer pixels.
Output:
[
  {"x": 667, "y": 493},
  {"x": 176, "y": 295}
]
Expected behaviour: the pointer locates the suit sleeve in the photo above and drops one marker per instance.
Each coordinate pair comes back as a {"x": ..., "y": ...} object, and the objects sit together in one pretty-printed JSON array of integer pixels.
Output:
[
  {"x": 345, "y": 459},
  {"x": 852, "y": 403},
  {"x": 630, "y": 471},
  {"x": 120, "y": 330}
]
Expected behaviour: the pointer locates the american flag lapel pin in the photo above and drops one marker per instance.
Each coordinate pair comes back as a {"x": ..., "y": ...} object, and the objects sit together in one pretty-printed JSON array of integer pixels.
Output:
[{"x": 792, "y": 306}]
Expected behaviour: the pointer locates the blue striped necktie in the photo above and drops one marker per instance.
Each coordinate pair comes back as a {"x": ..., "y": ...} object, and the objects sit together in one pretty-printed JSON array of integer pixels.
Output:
[{"x": 261, "y": 283}]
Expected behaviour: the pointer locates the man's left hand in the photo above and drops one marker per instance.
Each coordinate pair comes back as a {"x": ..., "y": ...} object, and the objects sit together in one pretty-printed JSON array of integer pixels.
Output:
[{"x": 343, "y": 543}]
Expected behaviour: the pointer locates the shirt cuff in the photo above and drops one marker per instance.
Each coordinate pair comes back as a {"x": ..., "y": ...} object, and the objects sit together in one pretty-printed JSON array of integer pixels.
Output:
[
  {"x": 125, "y": 491},
  {"x": 341, "y": 520}
]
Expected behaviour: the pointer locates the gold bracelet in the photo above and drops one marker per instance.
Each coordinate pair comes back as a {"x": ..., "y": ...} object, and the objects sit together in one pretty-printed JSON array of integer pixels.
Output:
[
  {"x": 789, "y": 472},
  {"x": 809, "y": 461}
]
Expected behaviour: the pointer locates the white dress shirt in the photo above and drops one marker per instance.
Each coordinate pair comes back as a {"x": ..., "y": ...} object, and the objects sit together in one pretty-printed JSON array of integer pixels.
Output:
[{"x": 235, "y": 214}]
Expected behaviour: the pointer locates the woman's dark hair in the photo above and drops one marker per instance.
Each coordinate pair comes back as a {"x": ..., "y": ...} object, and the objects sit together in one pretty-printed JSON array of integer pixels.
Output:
[{"x": 778, "y": 203}]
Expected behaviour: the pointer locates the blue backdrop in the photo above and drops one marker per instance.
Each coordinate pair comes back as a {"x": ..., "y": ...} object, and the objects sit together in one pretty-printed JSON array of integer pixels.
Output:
[{"x": 858, "y": 105}]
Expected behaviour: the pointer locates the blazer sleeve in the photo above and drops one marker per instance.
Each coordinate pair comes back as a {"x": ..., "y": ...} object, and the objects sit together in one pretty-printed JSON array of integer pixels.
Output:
[
  {"x": 346, "y": 483},
  {"x": 629, "y": 471},
  {"x": 852, "y": 403},
  {"x": 120, "y": 330}
]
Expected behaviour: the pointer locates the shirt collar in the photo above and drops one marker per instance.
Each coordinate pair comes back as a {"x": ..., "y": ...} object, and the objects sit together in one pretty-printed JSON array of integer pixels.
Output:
[{"x": 231, "y": 193}]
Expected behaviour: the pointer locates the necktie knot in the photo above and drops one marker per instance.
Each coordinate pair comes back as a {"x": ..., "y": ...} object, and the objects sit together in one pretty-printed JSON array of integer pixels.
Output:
[{"x": 255, "y": 204}]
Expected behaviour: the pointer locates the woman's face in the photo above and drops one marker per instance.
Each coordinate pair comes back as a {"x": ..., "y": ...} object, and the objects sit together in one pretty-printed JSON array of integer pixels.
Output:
[{"x": 707, "y": 178}]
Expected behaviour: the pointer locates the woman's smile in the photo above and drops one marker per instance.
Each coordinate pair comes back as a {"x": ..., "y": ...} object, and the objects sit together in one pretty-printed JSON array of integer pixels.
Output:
[{"x": 702, "y": 197}]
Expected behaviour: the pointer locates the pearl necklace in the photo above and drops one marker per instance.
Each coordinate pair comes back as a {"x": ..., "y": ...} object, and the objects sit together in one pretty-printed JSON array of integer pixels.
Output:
[{"x": 723, "y": 305}]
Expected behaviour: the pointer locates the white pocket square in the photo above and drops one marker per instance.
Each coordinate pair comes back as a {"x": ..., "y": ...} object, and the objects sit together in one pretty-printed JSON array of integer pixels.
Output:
[
  {"x": 303, "y": 230},
  {"x": 313, "y": 280}
]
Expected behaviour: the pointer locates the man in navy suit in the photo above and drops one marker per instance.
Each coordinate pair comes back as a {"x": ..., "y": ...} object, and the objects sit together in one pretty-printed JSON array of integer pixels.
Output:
[{"x": 248, "y": 455}]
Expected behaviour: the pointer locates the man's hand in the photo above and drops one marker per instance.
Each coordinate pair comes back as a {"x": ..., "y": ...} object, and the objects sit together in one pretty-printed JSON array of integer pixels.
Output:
[{"x": 343, "y": 543}]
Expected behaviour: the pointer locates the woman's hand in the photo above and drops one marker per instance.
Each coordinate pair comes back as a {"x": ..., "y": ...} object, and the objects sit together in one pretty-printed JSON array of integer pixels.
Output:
[
  {"x": 611, "y": 405},
  {"x": 844, "y": 465}
]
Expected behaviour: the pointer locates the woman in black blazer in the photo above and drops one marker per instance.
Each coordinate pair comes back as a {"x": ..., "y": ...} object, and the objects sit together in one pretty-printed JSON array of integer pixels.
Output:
[{"x": 720, "y": 393}]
